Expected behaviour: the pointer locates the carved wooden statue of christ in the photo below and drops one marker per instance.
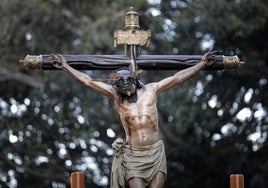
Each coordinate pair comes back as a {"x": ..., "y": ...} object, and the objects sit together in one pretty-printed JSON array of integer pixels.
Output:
[
  {"x": 143, "y": 153},
  {"x": 139, "y": 160}
]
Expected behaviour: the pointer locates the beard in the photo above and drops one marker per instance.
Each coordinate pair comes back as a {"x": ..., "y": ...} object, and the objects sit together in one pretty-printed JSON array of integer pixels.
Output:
[{"x": 131, "y": 99}]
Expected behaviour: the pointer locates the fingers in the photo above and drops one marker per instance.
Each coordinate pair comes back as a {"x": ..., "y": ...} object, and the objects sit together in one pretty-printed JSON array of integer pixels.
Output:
[
  {"x": 56, "y": 56},
  {"x": 213, "y": 61},
  {"x": 57, "y": 60},
  {"x": 210, "y": 57},
  {"x": 62, "y": 59},
  {"x": 213, "y": 52}
]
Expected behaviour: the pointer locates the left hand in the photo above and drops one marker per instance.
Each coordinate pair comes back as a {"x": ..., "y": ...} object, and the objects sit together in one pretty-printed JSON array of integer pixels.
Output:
[{"x": 209, "y": 58}]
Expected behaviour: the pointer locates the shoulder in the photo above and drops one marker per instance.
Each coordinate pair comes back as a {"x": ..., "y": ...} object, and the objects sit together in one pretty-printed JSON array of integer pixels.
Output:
[{"x": 150, "y": 87}]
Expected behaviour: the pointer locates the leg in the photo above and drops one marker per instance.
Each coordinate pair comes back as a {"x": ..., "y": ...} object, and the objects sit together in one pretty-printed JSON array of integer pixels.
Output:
[
  {"x": 158, "y": 181},
  {"x": 135, "y": 183}
]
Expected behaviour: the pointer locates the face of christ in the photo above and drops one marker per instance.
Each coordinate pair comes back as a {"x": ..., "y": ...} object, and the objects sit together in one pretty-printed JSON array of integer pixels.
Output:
[{"x": 126, "y": 83}]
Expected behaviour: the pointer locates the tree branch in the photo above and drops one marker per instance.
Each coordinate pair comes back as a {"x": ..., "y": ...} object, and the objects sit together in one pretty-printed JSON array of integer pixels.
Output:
[{"x": 5, "y": 74}]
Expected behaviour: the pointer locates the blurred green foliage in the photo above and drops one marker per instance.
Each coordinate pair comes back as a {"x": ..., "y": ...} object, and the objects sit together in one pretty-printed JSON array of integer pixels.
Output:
[{"x": 213, "y": 125}]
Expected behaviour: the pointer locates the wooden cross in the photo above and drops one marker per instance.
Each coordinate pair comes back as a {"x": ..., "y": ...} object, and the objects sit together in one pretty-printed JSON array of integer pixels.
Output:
[{"x": 132, "y": 37}]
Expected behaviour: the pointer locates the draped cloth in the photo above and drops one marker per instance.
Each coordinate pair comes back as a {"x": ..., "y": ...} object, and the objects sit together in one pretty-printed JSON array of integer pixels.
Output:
[{"x": 142, "y": 162}]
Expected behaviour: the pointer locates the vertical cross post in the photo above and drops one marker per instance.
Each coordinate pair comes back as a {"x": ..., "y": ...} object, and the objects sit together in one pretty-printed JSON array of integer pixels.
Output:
[
  {"x": 132, "y": 37},
  {"x": 132, "y": 24}
]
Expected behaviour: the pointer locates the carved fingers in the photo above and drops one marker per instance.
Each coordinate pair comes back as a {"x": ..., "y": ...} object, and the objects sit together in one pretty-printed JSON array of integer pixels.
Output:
[
  {"x": 58, "y": 61},
  {"x": 209, "y": 58}
]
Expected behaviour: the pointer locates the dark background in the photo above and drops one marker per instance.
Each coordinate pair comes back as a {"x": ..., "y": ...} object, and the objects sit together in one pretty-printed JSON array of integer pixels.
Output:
[{"x": 213, "y": 125}]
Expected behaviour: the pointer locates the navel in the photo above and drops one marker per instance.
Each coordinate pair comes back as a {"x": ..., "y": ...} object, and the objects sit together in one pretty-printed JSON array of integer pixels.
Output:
[{"x": 127, "y": 119}]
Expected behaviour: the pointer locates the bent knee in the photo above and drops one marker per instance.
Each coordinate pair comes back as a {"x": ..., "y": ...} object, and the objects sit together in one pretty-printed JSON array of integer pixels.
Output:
[
  {"x": 135, "y": 183},
  {"x": 158, "y": 180}
]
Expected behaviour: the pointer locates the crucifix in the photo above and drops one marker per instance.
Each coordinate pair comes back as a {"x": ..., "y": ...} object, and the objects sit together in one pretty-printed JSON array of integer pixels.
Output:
[
  {"x": 139, "y": 160},
  {"x": 132, "y": 37}
]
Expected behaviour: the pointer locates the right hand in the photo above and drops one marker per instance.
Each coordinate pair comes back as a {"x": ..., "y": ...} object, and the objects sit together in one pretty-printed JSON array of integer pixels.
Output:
[{"x": 58, "y": 61}]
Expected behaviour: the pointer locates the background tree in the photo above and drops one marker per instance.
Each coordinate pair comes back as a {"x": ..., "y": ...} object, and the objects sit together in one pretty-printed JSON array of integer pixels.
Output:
[{"x": 213, "y": 125}]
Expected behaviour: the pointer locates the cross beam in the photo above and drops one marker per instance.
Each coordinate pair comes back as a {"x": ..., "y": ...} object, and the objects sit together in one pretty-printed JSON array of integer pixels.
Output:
[
  {"x": 132, "y": 37},
  {"x": 144, "y": 62}
]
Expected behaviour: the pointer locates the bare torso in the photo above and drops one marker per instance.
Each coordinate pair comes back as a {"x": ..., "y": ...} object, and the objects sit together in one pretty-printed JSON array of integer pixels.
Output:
[{"x": 140, "y": 119}]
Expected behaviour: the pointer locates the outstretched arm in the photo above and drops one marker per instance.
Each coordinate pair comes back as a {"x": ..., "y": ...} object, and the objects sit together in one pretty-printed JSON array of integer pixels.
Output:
[
  {"x": 183, "y": 75},
  {"x": 105, "y": 89}
]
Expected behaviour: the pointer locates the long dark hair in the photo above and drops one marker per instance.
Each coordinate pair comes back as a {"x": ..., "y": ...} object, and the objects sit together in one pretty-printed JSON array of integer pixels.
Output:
[{"x": 116, "y": 76}]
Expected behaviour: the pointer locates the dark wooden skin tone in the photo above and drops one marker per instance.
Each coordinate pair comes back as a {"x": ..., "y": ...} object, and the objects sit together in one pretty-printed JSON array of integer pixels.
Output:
[{"x": 139, "y": 119}]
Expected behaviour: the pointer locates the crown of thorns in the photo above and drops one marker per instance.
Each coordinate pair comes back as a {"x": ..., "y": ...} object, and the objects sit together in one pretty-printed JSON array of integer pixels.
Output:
[{"x": 116, "y": 76}]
